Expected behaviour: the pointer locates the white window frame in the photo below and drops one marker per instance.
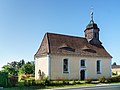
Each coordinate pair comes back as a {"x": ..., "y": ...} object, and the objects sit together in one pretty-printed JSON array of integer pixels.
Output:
[
  {"x": 68, "y": 66},
  {"x": 85, "y": 63},
  {"x": 99, "y": 72},
  {"x": 83, "y": 68}
]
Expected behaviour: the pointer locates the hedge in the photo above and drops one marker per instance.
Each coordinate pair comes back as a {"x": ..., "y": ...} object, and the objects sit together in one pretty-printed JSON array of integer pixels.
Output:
[{"x": 3, "y": 79}]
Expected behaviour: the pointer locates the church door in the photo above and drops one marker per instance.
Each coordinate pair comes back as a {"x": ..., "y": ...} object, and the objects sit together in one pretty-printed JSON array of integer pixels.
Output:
[{"x": 82, "y": 74}]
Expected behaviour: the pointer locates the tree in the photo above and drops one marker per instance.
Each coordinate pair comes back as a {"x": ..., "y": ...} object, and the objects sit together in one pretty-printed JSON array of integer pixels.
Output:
[
  {"x": 13, "y": 64},
  {"x": 13, "y": 68},
  {"x": 27, "y": 68},
  {"x": 20, "y": 67},
  {"x": 114, "y": 63},
  {"x": 9, "y": 69},
  {"x": 21, "y": 63}
]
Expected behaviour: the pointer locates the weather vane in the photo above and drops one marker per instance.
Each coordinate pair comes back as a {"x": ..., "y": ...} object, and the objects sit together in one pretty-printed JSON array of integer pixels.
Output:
[{"x": 91, "y": 13}]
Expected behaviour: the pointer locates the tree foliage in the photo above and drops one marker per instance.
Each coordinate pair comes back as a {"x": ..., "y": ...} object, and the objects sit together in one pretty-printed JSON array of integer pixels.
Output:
[
  {"x": 21, "y": 63},
  {"x": 114, "y": 63},
  {"x": 28, "y": 68},
  {"x": 9, "y": 69},
  {"x": 21, "y": 67}
]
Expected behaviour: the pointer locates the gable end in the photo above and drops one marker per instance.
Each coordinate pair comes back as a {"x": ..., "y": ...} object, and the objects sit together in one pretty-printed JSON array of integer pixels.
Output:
[{"x": 44, "y": 47}]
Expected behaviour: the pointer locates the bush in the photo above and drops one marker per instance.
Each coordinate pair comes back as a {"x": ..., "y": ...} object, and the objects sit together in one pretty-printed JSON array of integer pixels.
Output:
[
  {"x": 78, "y": 82},
  {"x": 65, "y": 82},
  {"x": 29, "y": 82},
  {"x": 21, "y": 83},
  {"x": 39, "y": 82},
  {"x": 3, "y": 79},
  {"x": 12, "y": 80},
  {"x": 113, "y": 73},
  {"x": 109, "y": 80},
  {"x": 25, "y": 83},
  {"x": 102, "y": 79},
  {"x": 22, "y": 77},
  {"x": 33, "y": 82},
  {"x": 89, "y": 80},
  {"x": 46, "y": 81},
  {"x": 26, "y": 77},
  {"x": 72, "y": 82},
  {"x": 56, "y": 83},
  {"x": 113, "y": 79}
]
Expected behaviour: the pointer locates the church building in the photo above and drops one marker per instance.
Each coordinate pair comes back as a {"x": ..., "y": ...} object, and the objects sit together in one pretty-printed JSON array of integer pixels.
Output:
[{"x": 72, "y": 57}]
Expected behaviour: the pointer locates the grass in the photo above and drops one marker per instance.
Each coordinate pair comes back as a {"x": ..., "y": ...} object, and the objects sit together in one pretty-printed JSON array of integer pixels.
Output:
[
  {"x": 51, "y": 87},
  {"x": 26, "y": 88},
  {"x": 46, "y": 87},
  {"x": 21, "y": 86},
  {"x": 113, "y": 83}
]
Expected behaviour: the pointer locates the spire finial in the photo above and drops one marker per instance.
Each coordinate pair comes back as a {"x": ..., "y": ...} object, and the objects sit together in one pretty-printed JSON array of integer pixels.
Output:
[{"x": 91, "y": 13}]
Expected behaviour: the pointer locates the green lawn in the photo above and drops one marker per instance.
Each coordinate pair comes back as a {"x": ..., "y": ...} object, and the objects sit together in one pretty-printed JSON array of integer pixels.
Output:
[
  {"x": 46, "y": 87},
  {"x": 51, "y": 87},
  {"x": 26, "y": 88}
]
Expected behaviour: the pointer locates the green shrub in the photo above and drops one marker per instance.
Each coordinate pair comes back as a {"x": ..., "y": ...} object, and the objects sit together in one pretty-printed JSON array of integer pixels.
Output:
[
  {"x": 72, "y": 82},
  {"x": 12, "y": 80},
  {"x": 37, "y": 82},
  {"x": 29, "y": 82},
  {"x": 113, "y": 79},
  {"x": 113, "y": 73},
  {"x": 23, "y": 77},
  {"x": 78, "y": 82},
  {"x": 3, "y": 79},
  {"x": 21, "y": 83},
  {"x": 102, "y": 79},
  {"x": 46, "y": 81},
  {"x": 88, "y": 80},
  {"x": 25, "y": 82},
  {"x": 33, "y": 82},
  {"x": 66, "y": 82},
  {"x": 26, "y": 77},
  {"x": 56, "y": 83},
  {"x": 109, "y": 80}
]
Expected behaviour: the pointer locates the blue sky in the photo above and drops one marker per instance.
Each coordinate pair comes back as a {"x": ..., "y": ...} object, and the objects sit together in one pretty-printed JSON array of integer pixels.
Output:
[{"x": 23, "y": 24}]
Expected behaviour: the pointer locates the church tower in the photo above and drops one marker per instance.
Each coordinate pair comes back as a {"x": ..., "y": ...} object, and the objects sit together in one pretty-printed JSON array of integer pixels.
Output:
[{"x": 92, "y": 33}]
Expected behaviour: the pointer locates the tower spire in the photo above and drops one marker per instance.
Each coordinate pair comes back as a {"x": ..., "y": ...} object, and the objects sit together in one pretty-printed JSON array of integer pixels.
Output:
[
  {"x": 91, "y": 13},
  {"x": 92, "y": 32}
]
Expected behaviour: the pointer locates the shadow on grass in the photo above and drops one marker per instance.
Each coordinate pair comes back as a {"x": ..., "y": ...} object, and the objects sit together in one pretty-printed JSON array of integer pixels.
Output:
[{"x": 26, "y": 88}]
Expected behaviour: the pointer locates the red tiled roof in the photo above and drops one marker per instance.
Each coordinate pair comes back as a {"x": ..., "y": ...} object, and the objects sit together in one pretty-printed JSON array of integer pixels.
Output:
[
  {"x": 64, "y": 44},
  {"x": 115, "y": 66}
]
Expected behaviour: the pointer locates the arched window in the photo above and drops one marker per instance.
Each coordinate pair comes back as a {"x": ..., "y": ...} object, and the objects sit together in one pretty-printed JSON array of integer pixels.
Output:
[
  {"x": 82, "y": 63},
  {"x": 98, "y": 67},
  {"x": 65, "y": 66}
]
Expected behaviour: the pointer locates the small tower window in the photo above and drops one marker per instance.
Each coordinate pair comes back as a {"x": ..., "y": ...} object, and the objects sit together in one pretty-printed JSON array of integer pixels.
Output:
[{"x": 95, "y": 35}]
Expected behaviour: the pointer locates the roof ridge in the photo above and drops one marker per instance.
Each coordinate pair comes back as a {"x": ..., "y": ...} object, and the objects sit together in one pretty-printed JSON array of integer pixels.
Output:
[{"x": 65, "y": 35}]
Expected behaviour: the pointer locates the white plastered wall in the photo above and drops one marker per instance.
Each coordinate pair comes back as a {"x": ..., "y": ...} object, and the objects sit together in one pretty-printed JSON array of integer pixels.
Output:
[
  {"x": 74, "y": 67},
  {"x": 41, "y": 63}
]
